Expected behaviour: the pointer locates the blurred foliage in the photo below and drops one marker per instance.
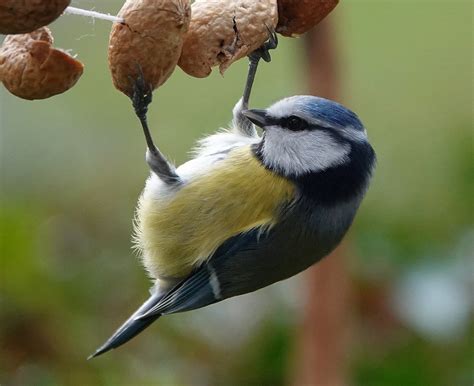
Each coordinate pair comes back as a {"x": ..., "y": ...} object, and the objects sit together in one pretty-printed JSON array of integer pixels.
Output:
[{"x": 72, "y": 168}]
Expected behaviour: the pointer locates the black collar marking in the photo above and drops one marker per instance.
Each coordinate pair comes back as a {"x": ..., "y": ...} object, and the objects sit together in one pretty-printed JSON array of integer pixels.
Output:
[
  {"x": 335, "y": 184},
  {"x": 343, "y": 182}
]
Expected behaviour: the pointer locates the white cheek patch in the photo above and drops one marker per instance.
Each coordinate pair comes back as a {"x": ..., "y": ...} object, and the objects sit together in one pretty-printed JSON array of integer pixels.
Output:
[{"x": 302, "y": 151}]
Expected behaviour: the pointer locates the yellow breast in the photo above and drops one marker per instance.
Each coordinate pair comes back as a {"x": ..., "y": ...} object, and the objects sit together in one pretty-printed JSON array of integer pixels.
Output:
[{"x": 176, "y": 232}]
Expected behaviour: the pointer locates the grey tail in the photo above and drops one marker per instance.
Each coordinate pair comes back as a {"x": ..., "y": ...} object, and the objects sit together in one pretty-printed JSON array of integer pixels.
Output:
[{"x": 131, "y": 327}]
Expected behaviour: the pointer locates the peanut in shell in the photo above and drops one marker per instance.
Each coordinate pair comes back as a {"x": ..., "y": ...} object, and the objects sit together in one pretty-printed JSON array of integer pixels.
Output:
[
  {"x": 223, "y": 31},
  {"x": 22, "y": 16},
  {"x": 296, "y": 17},
  {"x": 31, "y": 68},
  {"x": 149, "y": 41}
]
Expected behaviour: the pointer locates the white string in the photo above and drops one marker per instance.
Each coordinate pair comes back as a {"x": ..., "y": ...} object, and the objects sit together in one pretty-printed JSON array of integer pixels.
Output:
[{"x": 93, "y": 14}]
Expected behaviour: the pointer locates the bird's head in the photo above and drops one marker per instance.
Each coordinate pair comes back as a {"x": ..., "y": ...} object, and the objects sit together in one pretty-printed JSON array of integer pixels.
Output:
[
  {"x": 307, "y": 135},
  {"x": 304, "y": 134}
]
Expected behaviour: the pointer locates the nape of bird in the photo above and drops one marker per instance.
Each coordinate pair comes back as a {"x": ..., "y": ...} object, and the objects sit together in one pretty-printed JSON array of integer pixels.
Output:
[{"x": 248, "y": 210}]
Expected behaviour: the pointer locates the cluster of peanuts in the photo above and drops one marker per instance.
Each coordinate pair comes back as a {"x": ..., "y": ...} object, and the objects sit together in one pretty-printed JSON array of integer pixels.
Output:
[
  {"x": 154, "y": 37},
  {"x": 30, "y": 67}
]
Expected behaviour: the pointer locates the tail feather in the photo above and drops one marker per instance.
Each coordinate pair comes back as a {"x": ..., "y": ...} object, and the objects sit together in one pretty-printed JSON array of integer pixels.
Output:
[{"x": 131, "y": 327}]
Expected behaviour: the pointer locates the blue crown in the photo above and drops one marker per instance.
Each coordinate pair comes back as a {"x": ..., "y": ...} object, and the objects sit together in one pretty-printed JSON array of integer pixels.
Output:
[{"x": 329, "y": 111}]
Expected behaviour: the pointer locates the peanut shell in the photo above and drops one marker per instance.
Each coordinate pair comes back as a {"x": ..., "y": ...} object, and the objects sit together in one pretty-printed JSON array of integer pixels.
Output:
[
  {"x": 296, "y": 17},
  {"x": 149, "y": 40},
  {"x": 31, "y": 68},
  {"x": 223, "y": 31},
  {"x": 22, "y": 16}
]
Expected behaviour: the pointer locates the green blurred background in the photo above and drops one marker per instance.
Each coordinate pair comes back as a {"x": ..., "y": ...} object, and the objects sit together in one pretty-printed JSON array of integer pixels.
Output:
[{"x": 73, "y": 166}]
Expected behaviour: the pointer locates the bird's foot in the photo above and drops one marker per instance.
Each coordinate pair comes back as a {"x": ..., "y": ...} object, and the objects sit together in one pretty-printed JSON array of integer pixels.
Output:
[
  {"x": 263, "y": 52},
  {"x": 142, "y": 95}
]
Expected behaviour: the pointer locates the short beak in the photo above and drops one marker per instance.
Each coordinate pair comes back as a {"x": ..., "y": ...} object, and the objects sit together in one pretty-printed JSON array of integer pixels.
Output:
[{"x": 258, "y": 117}]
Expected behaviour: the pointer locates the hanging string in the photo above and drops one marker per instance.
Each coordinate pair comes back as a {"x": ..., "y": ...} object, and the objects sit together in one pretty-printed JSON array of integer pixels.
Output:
[{"x": 93, "y": 14}]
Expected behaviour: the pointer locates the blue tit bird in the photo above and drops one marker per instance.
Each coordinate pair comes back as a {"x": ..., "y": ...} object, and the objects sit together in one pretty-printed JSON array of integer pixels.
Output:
[{"x": 248, "y": 210}]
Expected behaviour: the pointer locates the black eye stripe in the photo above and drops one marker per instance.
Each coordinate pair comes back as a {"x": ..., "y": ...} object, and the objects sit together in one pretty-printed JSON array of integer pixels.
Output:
[{"x": 294, "y": 123}]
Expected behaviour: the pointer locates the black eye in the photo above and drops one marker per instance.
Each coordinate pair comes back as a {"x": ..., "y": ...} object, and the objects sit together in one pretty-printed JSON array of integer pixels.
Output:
[{"x": 295, "y": 123}]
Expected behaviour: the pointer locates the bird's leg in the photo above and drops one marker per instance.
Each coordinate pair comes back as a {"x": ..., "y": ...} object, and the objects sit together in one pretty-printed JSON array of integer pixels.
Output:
[
  {"x": 141, "y": 98},
  {"x": 262, "y": 52},
  {"x": 241, "y": 121}
]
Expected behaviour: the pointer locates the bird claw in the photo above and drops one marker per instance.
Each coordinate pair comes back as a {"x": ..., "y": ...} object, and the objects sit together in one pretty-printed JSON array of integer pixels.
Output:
[
  {"x": 142, "y": 94},
  {"x": 263, "y": 51}
]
